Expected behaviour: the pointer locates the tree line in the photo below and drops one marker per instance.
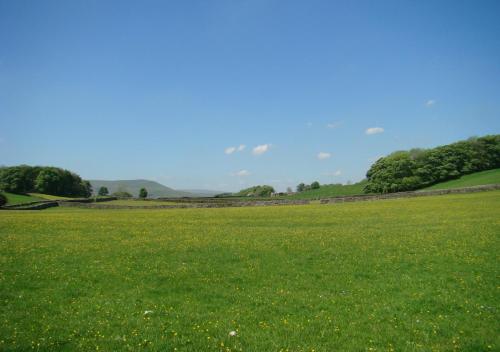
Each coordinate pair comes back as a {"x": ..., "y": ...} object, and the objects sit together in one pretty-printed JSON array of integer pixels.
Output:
[
  {"x": 43, "y": 179},
  {"x": 418, "y": 168}
]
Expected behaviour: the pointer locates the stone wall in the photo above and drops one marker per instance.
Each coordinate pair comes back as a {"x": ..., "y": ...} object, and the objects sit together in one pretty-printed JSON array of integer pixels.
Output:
[
  {"x": 369, "y": 197},
  {"x": 187, "y": 205}
]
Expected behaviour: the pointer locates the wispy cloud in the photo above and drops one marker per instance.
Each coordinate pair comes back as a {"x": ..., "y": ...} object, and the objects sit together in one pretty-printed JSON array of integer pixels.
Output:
[
  {"x": 333, "y": 125},
  {"x": 335, "y": 173},
  {"x": 323, "y": 155},
  {"x": 231, "y": 150},
  {"x": 261, "y": 149},
  {"x": 241, "y": 173},
  {"x": 374, "y": 130},
  {"x": 430, "y": 103}
]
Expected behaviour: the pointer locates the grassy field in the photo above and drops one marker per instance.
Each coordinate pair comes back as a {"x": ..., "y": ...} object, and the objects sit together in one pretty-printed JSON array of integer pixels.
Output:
[
  {"x": 326, "y": 191},
  {"x": 476, "y": 179},
  {"x": 20, "y": 198},
  {"x": 48, "y": 196},
  {"x": 398, "y": 275}
]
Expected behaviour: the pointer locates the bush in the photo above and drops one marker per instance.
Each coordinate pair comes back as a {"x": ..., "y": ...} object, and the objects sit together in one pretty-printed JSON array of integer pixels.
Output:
[
  {"x": 143, "y": 193},
  {"x": 121, "y": 194},
  {"x": 256, "y": 191},
  {"x": 3, "y": 199}
]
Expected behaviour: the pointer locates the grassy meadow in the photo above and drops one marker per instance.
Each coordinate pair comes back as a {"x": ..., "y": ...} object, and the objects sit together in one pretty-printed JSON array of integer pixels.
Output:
[
  {"x": 479, "y": 178},
  {"x": 20, "y": 198},
  {"x": 327, "y": 191},
  {"x": 397, "y": 275}
]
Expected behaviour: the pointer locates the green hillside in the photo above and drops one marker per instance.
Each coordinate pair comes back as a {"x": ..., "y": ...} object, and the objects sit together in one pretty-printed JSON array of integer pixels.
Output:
[
  {"x": 327, "y": 191},
  {"x": 20, "y": 198},
  {"x": 475, "y": 179},
  {"x": 154, "y": 189}
]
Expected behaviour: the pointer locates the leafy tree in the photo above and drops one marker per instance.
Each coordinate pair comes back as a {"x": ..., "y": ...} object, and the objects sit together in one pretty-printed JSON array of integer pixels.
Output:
[
  {"x": 289, "y": 190},
  {"x": 49, "y": 180},
  {"x": 301, "y": 187},
  {"x": 417, "y": 168},
  {"x": 103, "y": 191},
  {"x": 3, "y": 199},
  {"x": 143, "y": 193},
  {"x": 315, "y": 185},
  {"x": 256, "y": 191}
]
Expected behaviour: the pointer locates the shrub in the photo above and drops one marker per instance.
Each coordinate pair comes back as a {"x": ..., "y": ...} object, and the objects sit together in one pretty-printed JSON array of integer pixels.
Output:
[{"x": 3, "y": 199}]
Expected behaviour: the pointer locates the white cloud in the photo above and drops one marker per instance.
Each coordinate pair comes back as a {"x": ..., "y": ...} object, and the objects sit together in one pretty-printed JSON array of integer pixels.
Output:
[
  {"x": 230, "y": 150},
  {"x": 430, "y": 103},
  {"x": 333, "y": 124},
  {"x": 335, "y": 173},
  {"x": 261, "y": 149},
  {"x": 323, "y": 155},
  {"x": 241, "y": 173},
  {"x": 374, "y": 130}
]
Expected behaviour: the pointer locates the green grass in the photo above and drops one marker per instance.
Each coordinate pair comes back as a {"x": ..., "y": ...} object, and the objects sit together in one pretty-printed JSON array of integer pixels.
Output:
[
  {"x": 327, "y": 191},
  {"x": 475, "y": 179},
  {"x": 416, "y": 274},
  {"x": 48, "y": 196},
  {"x": 20, "y": 198}
]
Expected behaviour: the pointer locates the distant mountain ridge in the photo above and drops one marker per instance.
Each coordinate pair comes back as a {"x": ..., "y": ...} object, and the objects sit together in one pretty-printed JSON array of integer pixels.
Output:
[
  {"x": 202, "y": 192},
  {"x": 154, "y": 188}
]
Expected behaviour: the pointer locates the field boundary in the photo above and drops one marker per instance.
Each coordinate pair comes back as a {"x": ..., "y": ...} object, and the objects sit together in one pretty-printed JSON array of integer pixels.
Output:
[
  {"x": 410, "y": 194},
  {"x": 92, "y": 204}
]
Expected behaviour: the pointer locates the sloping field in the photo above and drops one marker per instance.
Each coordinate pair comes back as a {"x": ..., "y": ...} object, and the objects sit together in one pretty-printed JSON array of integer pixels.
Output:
[
  {"x": 20, "y": 198},
  {"x": 328, "y": 191},
  {"x": 416, "y": 274},
  {"x": 479, "y": 178}
]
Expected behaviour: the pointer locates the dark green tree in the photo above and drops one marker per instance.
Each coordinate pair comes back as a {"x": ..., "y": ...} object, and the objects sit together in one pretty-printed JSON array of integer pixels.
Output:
[
  {"x": 301, "y": 187},
  {"x": 418, "y": 168},
  {"x": 315, "y": 185},
  {"x": 3, "y": 199},
  {"x": 143, "y": 193},
  {"x": 103, "y": 191}
]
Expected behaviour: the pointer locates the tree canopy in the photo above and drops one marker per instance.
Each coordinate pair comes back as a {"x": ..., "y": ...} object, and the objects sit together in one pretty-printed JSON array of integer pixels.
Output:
[
  {"x": 143, "y": 193},
  {"x": 418, "y": 168},
  {"x": 103, "y": 191},
  {"x": 256, "y": 191},
  {"x": 43, "y": 179}
]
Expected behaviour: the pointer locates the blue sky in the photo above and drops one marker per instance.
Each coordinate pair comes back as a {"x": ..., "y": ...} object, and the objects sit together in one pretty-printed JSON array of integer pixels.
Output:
[{"x": 161, "y": 89}]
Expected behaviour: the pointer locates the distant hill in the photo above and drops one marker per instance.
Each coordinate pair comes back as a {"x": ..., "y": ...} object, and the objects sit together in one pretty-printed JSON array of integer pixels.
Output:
[
  {"x": 154, "y": 189},
  {"x": 475, "y": 179},
  {"x": 202, "y": 192}
]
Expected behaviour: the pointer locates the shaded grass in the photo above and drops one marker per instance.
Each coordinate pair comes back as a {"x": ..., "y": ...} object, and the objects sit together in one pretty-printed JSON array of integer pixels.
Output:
[
  {"x": 479, "y": 178},
  {"x": 409, "y": 274},
  {"x": 20, "y": 198}
]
